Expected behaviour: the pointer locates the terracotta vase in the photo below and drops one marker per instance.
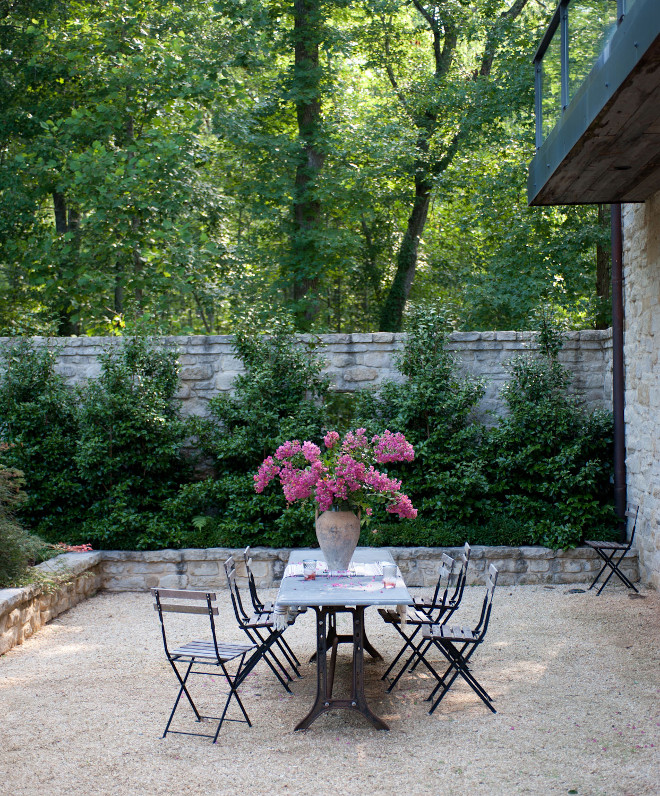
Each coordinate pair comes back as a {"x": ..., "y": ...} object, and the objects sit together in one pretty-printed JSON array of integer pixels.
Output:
[{"x": 338, "y": 533}]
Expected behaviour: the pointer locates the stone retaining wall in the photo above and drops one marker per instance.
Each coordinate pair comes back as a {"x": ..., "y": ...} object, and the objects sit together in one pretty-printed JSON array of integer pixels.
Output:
[
  {"x": 203, "y": 569},
  {"x": 353, "y": 361},
  {"x": 24, "y": 611}
]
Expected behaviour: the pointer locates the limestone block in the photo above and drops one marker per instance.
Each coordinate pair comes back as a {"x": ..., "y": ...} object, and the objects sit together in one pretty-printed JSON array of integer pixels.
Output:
[
  {"x": 206, "y": 568},
  {"x": 382, "y": 337},
  {"x": 196, "y": 372},
  {"x": 360, "y": 374},
  {"x": 225, "y": 381},
  {"x": 538, "y": 565},
  {"x": 342, "y": 360},
  {"x": 172, "y": 582},
  {"x": 378, "y": 359},
  {"x": 231, "y": 363},
  {"x": 508, "y": 565},
  {"x": 9, "y": 639},
  {"x": 155, "y": 568},
  {"x": 134, "y": 583},
  {"x": 211, "y": 582}
]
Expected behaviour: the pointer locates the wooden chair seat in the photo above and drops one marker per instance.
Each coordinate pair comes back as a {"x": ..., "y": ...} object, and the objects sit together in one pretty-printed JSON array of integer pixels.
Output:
[
  {"x": 413, "y": 616},
  {"x": 206, "y": 649},
  {"x": 606, "y": 545},
  {"x": 450, "y": 633}
]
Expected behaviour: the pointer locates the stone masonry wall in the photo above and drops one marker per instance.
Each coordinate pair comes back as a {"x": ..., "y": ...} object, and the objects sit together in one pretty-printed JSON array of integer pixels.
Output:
[
  {"x": 354, "y": 361},
  {"x": 24, "y": 611},
  {"x": 203, "y": 569},
  {"x": 641, "y": 258}
]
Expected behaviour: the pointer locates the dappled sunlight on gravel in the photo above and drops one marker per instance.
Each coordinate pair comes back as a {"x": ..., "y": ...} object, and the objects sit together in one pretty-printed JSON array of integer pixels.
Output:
[{"x": 575, "y": 678}]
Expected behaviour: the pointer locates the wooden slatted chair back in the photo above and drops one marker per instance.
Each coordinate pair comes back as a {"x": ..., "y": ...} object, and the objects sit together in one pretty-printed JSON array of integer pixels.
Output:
[
  {"x": 461, "y": 580},
  {"x": 183, "y": 608},
  {"x": 252, "y": 586},
  {"x": 445, "y": 575},
  {"x": 632, "y": 512},
  {"x": 491, "y": 582},
  {"x": 230, "y": 570}
]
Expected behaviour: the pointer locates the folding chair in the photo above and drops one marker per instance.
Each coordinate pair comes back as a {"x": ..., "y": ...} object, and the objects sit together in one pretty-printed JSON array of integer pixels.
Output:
[
  {"x": 458, "y": 644},
  {"x": 427, "y": 612},
  {"x": 202, "y": 653},
  {"x": 266, "y": 608},
  {"x": 259, "y": 628},
  {"x": 609, "y": 550}
]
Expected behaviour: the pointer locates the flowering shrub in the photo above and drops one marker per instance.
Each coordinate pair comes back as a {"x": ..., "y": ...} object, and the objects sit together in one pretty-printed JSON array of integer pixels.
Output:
[
  {"x": 345, "y": 476},
  {"x": 62, "y": 547}
]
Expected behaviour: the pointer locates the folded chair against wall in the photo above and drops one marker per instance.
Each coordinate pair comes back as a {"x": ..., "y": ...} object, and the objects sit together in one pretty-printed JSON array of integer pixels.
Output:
[
  {"x": 258, "y": 627},
  {"x": 196, "y": 657},
  {"x": 458, "y": 643},
  {"x": 612, "y": 553},
  {"x": 430, "y": 612},
  {"x": 267, "y": 608}
]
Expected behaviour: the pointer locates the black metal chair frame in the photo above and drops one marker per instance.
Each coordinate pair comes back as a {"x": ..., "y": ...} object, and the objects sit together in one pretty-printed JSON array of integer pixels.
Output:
[
  {"x": 258, "y": 628},
  {"x": 425, "y": 613},
  {"x": 205, "y": 654},
  {"x": 607, "y": 551},
  {"x": 458, "y": 644},
  {"x": 262, "y": 608}
]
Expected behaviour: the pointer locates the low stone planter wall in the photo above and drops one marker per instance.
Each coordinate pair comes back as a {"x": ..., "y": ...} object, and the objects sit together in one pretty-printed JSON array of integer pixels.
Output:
[
  {"x": 24, "y": 611},
  {"x": 203, "y": 569}
]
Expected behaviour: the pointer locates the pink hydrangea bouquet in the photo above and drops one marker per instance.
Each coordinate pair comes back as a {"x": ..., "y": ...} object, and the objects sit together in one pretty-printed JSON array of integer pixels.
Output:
[{"x": 344, "y": 477}]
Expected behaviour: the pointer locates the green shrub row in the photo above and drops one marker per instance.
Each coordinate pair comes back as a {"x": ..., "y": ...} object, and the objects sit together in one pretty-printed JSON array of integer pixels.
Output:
[{"x": 107, "y": 463}]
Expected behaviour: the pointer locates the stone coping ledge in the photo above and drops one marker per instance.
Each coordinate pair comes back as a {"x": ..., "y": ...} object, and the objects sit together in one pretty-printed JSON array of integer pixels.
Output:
[
  {"x": 66, "y": 564},
  {"x": 133, "y": 570}
]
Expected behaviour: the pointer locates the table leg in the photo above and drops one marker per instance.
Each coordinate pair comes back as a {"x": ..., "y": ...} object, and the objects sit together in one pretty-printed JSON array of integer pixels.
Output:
[
  {"x": 347, "y": 639},
  {"x": 325, "y": 681}
]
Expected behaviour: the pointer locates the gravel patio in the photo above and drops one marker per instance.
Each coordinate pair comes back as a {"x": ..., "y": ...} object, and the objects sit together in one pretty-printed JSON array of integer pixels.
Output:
[{"x": 575, "y": 677}]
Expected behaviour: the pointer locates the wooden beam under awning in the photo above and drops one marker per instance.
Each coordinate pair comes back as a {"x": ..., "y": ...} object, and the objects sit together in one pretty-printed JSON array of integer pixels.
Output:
[{"x": 606, "y": 147}]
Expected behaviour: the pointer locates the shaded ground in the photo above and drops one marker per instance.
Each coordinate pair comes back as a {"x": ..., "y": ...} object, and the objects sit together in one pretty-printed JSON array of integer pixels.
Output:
[{"x": 576, "y": 679}]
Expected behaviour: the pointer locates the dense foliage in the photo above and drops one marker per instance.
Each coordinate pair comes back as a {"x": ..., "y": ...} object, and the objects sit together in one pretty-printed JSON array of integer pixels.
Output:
[
  {"x": 98, "y": 462},
  {"x": 179, "y": 161},
  {"x": 118, "y": 476},
  {"x": 17, "y": 546}
]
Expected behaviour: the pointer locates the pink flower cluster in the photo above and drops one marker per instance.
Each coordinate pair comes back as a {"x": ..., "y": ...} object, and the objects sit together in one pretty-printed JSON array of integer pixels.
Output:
[
  {"x": 344, "y": 474},
  {"x": 392, "y": 448}
]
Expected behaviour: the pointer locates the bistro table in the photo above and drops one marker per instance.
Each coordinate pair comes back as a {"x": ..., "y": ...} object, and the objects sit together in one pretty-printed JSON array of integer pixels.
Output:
[{"x": 329, "y": 594}]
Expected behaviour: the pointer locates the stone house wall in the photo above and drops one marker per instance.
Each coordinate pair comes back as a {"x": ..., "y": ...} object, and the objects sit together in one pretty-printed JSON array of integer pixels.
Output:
[
  {"x": 354, "y": 361},
  {"x": 641, "y": 279}
]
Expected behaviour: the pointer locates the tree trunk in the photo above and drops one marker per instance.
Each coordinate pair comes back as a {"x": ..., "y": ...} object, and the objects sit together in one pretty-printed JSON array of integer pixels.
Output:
[
  {"x": 391, "y": 316},
  {"x": 307, "y": 209},
  {"x": 63, "y": 308}
]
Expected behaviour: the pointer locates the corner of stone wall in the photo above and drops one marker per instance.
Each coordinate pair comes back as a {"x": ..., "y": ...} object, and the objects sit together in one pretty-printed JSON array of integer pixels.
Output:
[{"x": 24, "y": 611}]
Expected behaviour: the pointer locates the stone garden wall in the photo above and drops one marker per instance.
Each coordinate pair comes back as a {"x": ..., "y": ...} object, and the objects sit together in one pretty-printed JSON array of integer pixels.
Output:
[
  {"x": 354, "y": 361},
  {"x": 203, "y": 569},
  {"x": 641, "y": 259},
  {"x": 24, "y": 611}
]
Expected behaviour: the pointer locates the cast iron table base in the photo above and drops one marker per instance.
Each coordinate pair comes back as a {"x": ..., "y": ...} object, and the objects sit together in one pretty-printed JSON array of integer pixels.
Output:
[{"x": 327, "y": 637}]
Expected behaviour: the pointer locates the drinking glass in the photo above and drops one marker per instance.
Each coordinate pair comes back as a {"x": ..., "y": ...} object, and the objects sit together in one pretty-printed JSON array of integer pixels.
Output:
[
  {"x": 309, "y": 569},
  {"x": 389, "y": 576}
]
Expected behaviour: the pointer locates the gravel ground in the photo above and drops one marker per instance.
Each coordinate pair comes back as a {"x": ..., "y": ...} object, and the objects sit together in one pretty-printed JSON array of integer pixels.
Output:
[{"x": 575, "y": 678}]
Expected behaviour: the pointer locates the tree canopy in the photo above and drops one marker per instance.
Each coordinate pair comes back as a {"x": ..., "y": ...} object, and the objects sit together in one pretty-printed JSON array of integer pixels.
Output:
[{"x": 180, "y": 164}]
